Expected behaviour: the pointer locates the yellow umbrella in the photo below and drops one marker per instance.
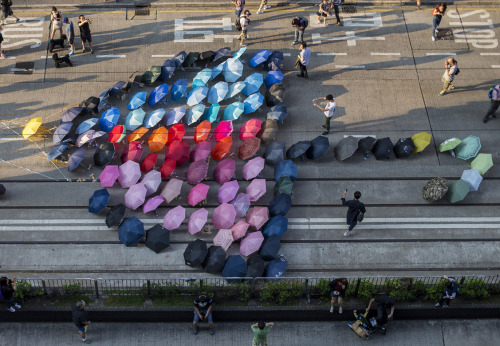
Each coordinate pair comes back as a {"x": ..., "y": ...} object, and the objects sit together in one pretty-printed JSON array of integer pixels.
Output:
[
  {"x": 31, "y": 127},
  {"x": 421, "y": 141}
]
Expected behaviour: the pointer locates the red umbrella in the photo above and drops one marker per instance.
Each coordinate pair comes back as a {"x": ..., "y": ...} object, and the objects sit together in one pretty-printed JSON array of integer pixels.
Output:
[
  {"x": 196, "y": 172},
  {"x": 133, "y": 152},
  {"x": 249, "y": 148},
  {"x": 250, "y": 129},
  {"x": 117, "y": 134},
  {"x": 221, "y": 149},
  {"x": 149, "y": 162},
  {"x": 167, "y": 168},
  {"x": 176, "y": 133},
  {"x": 179, "y": 151},
  {"x": 202, "y": 131}
]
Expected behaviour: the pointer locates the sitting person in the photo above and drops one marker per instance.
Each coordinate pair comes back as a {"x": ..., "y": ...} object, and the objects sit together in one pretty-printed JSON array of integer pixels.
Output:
[
  {"x": 203, "y": 311},
  {"x": 59, "y": 60},
  {"x": 338, "y": 287},
  {"x": 450, "y": 293}
]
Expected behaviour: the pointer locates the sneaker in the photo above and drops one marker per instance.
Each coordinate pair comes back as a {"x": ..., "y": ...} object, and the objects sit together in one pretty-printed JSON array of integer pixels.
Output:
[
  {"x": 445, "y": 305},
  {"x": 442, "y": 92},
  {"x": 17, "y": 306},
  {"x": 437, "y": 305},
  {"x": 195, "y": 330},
  {"x": 341, "y": 310},
  {"x": 243, "y": 44},
  {"x": 436, "y": 31},
  {"x": 451, "y": 87},
  {"x": 294, "y": 43},
  {"x": 260, "y": 12},
  {"x": 91, "y": 51},
  {"x": 83, "y": 50},
  {"x": 346, "y": 234},
  {"x": 267, "y": 7},
  {"x": 11, "y": 309},
  {"x": 340, "y": 24},
  {"x": 326, "y": 25},
  {"x": 332, "y": 309},
  {"x": 86, "y": 341},
  {"x": 433, "y": 38},
  {"x": 323, "y": 126},
  {"x": 325, "y": 133},
  {"x": 212, "y": 331},
  {"x": 319, "y": 21},
  {"x": 71, "y": 53}
]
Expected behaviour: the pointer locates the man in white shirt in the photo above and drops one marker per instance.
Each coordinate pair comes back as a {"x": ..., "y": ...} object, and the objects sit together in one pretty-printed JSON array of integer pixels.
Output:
[
  {"x": 328, "y": 110},
  {"x": 494, "y": 104},
  {"x": 245, "y": 22},
  {"x": 449, "y": 75},
  {"x": 304, "y": 55}
]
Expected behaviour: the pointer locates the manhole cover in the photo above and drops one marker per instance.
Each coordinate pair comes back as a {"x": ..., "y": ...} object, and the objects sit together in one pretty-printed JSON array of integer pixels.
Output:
[
  {"x": 349, "y": 8},
  {"x": 142, "y": 11},
  {"x": 445, "y": 34},
  {"x": 24, "y": 67}
]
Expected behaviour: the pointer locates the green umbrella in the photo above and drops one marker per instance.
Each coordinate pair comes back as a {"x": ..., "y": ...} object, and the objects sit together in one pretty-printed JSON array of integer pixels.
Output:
[
  {"x": 468, "y": 148},
  {"x": 457, "y": 191},
  {"x": 482, "y": 163},
  {"x": 449, "y": 144},
  {"x": 151, "y": 75},
  {"x": 284, "y": 185}
]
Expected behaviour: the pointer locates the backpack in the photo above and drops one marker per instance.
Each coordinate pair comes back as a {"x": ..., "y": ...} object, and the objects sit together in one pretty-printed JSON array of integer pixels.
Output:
[
  {"x": 237, "y": 24},
  {"x": 490, "y": 93},
  {"x": 360, "y": 216}
]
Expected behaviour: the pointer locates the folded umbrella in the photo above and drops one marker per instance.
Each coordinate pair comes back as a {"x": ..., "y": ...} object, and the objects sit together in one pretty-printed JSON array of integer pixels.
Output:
[
  {"x": 253, "y": 102},
  {"x": 117, "y": 134},
  {"x": 274, "y": 61},
  {"x": 277, "y": 225},
  {"x": 154, "y": 118},
  {"x": 403, "y": 147},
  {"x": 195, "y": 253},
  {"x": 98, "y": 201},
  {"x": 174, "y": 116},
  {"x": 224, "y": 129},
  {"x": 133, "y": 151},
  {"x": 174, "y": 218},
  {"x": 285, "y": 168},
  {"x": 298, "y": 150},
  {"x": 473, "y": 178},
  {"x": 283, "y": 185},
  {"x": 109, "y": 175},
  {"x": 234, "y": 89},
  {"x": 130, "y": 173},
  {"x": 257, "y": 217},
  {"x": 366, "y": 145},
  {"x": 241, "y": 204},
  {"x": 382, "y": 148},
  {"x": 115, "y": 215},
  {"x": 224, "y": 239},
  {"x": 239, "y": 53},
  {"x": 137, "y": 134},
  {"x": 158, "y": 139},
  {"x": 61, "y": 131},
  {"x": 104, "y": 154},
  {"x": 157, "y": 238},
  {"x": 239, "y": 229},
  {"x": 137, "y": 100},
  {"x": 171, "y": 190},
  {"x": 275, "y": 95},
  {"x": 319, "y": 147},
  {"x": 250, "y": 129},
  {"x": 167, "y": 70},
  {"x": 197, "y": 221},
  {"x": 72, "y": 113},
  {"x": 211, "y": 113},
  {"x": 457, "y": 191},
  {"x": 256, "y": 189},
  {"x": 75, "y": 159},
  {"x": 197, "y": 194},
  {"x": 179, "y": 151},
  {"x": 255, "y": 266},
  {"x": 179, "y": 58},
  {"x": 421, "y": 141},
  {"x": 167, "y": 168},
  {"x": 195, "y": 113},
  {"x": 202, "y": 78},
  {"x": 151, "y": 182},
  {"x": 217, "y": 92},
  {"x": 196, "y": 172},
  {"x": 275, "y": 152},
  {"x": 57, "y": 151},
  {"x": 176, "y": 133},
  {"x": 215, "y": 260},
  {"x": 233, "y": 111},
  {"x": 224, "y": 171},
  {"x": 235, "y": 267},
  {"x": 197, "y": 95},
  {"x": 249, "y": 148},
  {"x": 259, "y": 57},
  {"x": 223, "y": 216},
  {"x": 253, "y": 168},
  {"x": 91, "y": 104},
  {"x": 202, "y": 131},
  {"x": 227, "y": 192},
  {"x": 468, "y": 148},
  {"x": 268, "y": 131},
  {"x": 109, "y": 119},
  {"x": 152, "y": 203},
  {"x": 270, "y": 248},
  {"x": 449, "y": 144},
  {"x": 135, "y": 196},
  {"x": 201, "y": 151},
  {"x": 131, "y": 231},
  {"x": 273, "y": 77},
  {"x": 252, "y": 84},
  {"x": 251, "y": 243},
  {"x": 233, "y": 69},
  {"x": 280, "y": 205},
  {"x": 179, "y": 89},
  {"x": 483, "y": 162},
  {"x": 222, "y": 148},
  {"x": 276, "y": 268},
  {"x": 33, "y": 125},
  {"x": 84, "y": 125}
]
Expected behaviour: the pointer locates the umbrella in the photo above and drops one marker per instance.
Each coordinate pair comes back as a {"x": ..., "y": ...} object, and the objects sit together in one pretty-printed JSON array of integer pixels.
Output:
[
  {"x": 275, "y": 95},
  {"x": 473, "y": 178},
  {"x": 449, "y": 144},
  {"x": 157, "y": 238},
  {"x": 253, "y": 102},
  {"x": 227, "y": 192},
  {"x": 382, "y": 148},
  {"x": 257, "y": 217},
  {"x": 283, "y": 185},
  {"x": 200, "y": 151},
  {"x": 256, "y": 189},
  {"x": 319, "y": 147},
  {"x": 202, "y": 78},
  {"x": 197, "y": 95},
  {"x": 196, "y": 172},
  {"x": 223, "y": 216},
  {"x": 61, "y": 131},
  {"x": 233, "y": 69},
  {"x": 179, "y": 58},
  {"x": 270, "y": 248},
  {"x": 285, "y": 168},
  {"x": 137, "y": 134},
  {"x": 104, "y": 154},
  {"x": 251, "y": 243},
  {"x": 109, "y": 175},
  {"x": 151, "y": 182},
  {"x": 217, "y": 70},
  {"x": 197, "y": 194},
  {"x": 224, "y": 171},
  {"x": 217, "y": 92},
  {"x": 252, "y": 84},
  {"x": 366, "y": 145},
  {"x": 133, "y": 151},
  {"x": 91, "y": 104},
  {"x": 249, "y": 148},
  {"x": 468, "y": 148},
  {"x": 195, "y": 113},
  {"x": 167, "y": 168},
  {"x": 235, "y": 267},
  {"x": 137, "y": 100},
  {"x": 298, "y": 149},
  {"x": 276, "y": 268},
  {"x": 116, "y": 134},
  {"x": 457, "y": 191},
  {"x": 179, "y": 151},
  {"x": 130, "y": 173},
  {"x": 171, "y": 189},
  {"x": 174, "y": 116},
  {"x": 109, "y": 119},
  {"x": 190, "y": 59},
  {"x": 239, "y": 53},
  {"x": 222, "y": 148},
  {"x": 176, "y": 133},
  {"x": 154, "y": 118},
  {"x": 268, "y": 131},
  {"x": 84, "y": 125},
  {"x": 224, "y": 129},
  {"x": 239, "y": 229},
  {"x": 202, "y": 131},
  {"x": 280, "y": 205},
  {"x": 167, "y": 70},
  {"x": 233, "y": 111},
  {"x": 274, "y": 61},
  {"x": 234, "y": 89},
  {"x": 277, "y": 225},
  {"x": 98, "y": 201},
  {"x": 421, "y": 141},
  {"x": 131, "y": 231},
  {"x": 346, "y": 148},
  {"x": 224, "y": 239},
  {"x": 211, "y": 113},
  {"x": 259, "y": 57},
  {"x": 404, "y": 147},
  {"x": 56, "y": 152},
  {"x": 152, "y": 203},
  {"x": 483, "y": 162},
  {"x": 255, "y": 266},
  {"x": 174, "y": 218},
  {"x": 103, "y": 100},
  {"x": 241, "y": 204},
  {"x": 158, "y": 139},
  {"x": 273, "y": 77},
  {"x": 115, "y": 215},
  {"x": 98, "y": 134},
  {"x": 75, "y": 159},
  {"x": 435, "y": 189},
  {"x": 33, "y": 125},
  {"x": 179, "y": 89},
  {"x": 195, "y": 253},
  {"x": 220, "y": 53},
  {"x": 135, "y": 196},
  {"x": 197, "y": 220},
  {"x": 250, "y": 129},
  {"x": 115, "y": 89},
  {"x": 71, "y": 113},
  {"x": 215, "y": 260},
  {"x": 151, "y": 75},
  {"x": 275, "y": 152},
  {"x": 253, "y": 168}
]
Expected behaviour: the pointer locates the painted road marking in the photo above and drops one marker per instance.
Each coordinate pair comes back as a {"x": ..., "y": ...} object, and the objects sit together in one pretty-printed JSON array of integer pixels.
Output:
[
  {"x": 350, "y": 37},
  {"x": 21, "y": 70},
  {"x": 186, "y": 27},
  {"x": 286, "y": 54},
  {"x": 350, "y": 66},
  {"x": 447, "y": 54},
  {"x": 375, "y": 53},
  {"x": 360, "y": 136},
  {"x": 11, "y": 139},
  {"x": 332, "y": 54},
  {"x": 371, "y": 20},
  {"x": 470, "y": 31},
  {"x": 490, "y": 53},
  {"x": 110, "y": 56},
  {"x": 495, "y": 66},
  {"x": 30, "y": 32},
  {"x": 163, "y": 56}
]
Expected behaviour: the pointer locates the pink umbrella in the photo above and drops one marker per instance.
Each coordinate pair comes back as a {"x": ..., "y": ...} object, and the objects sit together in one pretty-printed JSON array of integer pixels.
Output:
[
  {"x": 135, "y": 196},
  {"x": 197, "y": 194},
  {"x": 84, "y": 138},
  {"x": 200, "y": 151},
  {"x": 257, "y": 217},
  {"x": 224, "y": 129},
  {"x": 133, "y": 152},
  {"x": 241, "y": 204},
  {"x": 130, "y": 172},
  {"x": 239, "y": 229},
  {"x": 171, "y": 189},
  {"x": 256, "y": 189},
  {"x": 109, "y": 175},
  {"x": 224, "y": 216},
  {"x": 224, "y": 239},
  {"x": 228, "y": 191},
  {"x": 197, "y": 220},
  {"x": 196, "y": 172},
  {"x": 174, "y": 218},
  {"x": 251, "y": 243},
  {"x": 151, "y": 181},
  {"x": 253, "y": 167},
  {"x": 152, "y": 203},
  {"x": 224, "y": 171},
  {"x": 250, "y": 129}
]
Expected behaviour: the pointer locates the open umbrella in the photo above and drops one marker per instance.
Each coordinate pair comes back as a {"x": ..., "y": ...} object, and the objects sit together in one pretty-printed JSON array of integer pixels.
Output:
[
  {"x": 61, "y": 131},
  {"x": 179, "y": 89},
  {"x": 98, "y": 134},
  {"x": 319, "y": 147},
  {"x": 91, "y": 104},
  {"x": 197, "y": 194},
  {"x": 252, "y": 84},
  {"x": 171, "y": 189},
  {"x": 382, "y": 148},
  {"x": 158, "y": 139},
  {"x": 249, "y": 148},
  {"x": 115, "y": 215},
  {"x": 280, "y": 205},
  {"x": 259, "y": 57},
  {"x": 115, "y": 89},
  {"x": 253, "y": 102},
  {"x": 270, "y": 248},
  {"x": 205, "y": 58},
  {"x": 34, "y": 124},
  {"x": 75, "y": 159},
  {"x": 167, "y": 168},
  {"x": 217, "y": 70},
  {"x": 346, "y": 148},
  {"x": 174, "y": 116},
  {"x": 157, "y": 94},
  {"x": 276, "y": 268},
  {"x": 195, "y": 113},
  {"x": 233, "y": 69},
  {"x": 179, "y": 58},
  {"x": 176, "y": 133},
  {"x": 241, "y": 204},
  {"x": 268, "y": 131},
  {"x": 224, "y": 129},
  {"x": 224, "y": 171},
  {"x": 195, "y": 253},
  {"x": 366, "y": 145},
  {"x": 256, "y": 189},
  {"x": 133, "y": 151},
  {"x": 220, "y": 53},
  {"x": 257, "y": 217},
  {"x": 202, "y": 131},
  {"x": 483, "y": 162},
  {"x": 157, "y": 238},
  {"x": 449, "y": 144},
  {"x": 435, "y": 189},
  {"x": 197, "y": 221},
  {"x": 468, "y": 148},
  {"x": 223, "y": 216},
  {"x": 235, "y": 267},
  {"x": 215, "y": 260},
  {"x": 200, "y": 151},
  {"x": 151, "y": 182},
  {"x": 473, "y": 178},
  {"x": 109, "y": 175},
  {"x": 211, "y": 113},
  {"x": 227, "y": 192},
  {"x": 217, "y": 92},
  {"x": 233, "y": 111},
  {"x": 109, "y": 119},
  {"x": 457, "y": 190},
  {"x": 283, "y": 185},
  {"x": 137, "y": 100},
  {"x": 253, "y": 168},
  {"x": 137, "y": 134},
  {"x": 274, "y": 61},
  {"x": 298, "y": 150},
  {"x": 239, "y": 229},
  {"x": 72, "y": 113},
  {"x": 285, "y": 168},
  {"x": 255, "y": 266},
  {"x": 197, "y": 95},
  {"x": 135, "y": 196},
  {"x": 117, "y": 134},
  {"x": 84, "y": 125},
  {"x": 251, "y": 243},
  {"x": 196, "y": 172},
  {"x": 275, "y": 152},
  {"x": 174, "y": 218},
  {"x": 273, "y": 77},
  {"x": 131, "y": 231},
  {"x": 98, "y": 201},
  {"x": 224, "y": 239},
  {"x": 239, "y": 53},
  {"x": 403, "y": 147},
  {"x": 421, "y": 141},
  {"x": 234, "y": 89},
  {"x": 151, "y": 75},
  {"x": 130, "y": 173},
  {"x": 104, "y": 154},
  {"x": 103, "y": 100},
  {"x": 222, "y": 148},
  {"x": 152, "y": 203},
  {"x": 154, "y": 118},
  {"x": 179, "y": 151},
  {"x": 275, "y": 95},
  {"x": 202, "y": 78},
  {"x": 277, "y": 225},
  {"x": 250, "y": 129}
]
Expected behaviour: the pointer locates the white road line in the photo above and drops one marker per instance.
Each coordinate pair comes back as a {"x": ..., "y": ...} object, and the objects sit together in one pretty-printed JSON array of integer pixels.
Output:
[
  {"x": 400, "y": 226},
  {"x": 286, "y": 54},
  {"x": 375, "y": 53},
  {"x": 11, "y": 58},
  {"x": 350, "y": 66},
  {"x": 331, "y": 54},
  {"x": 490, "y": 53},
  {"x": 22, "y": 70},
  {"x": 495, "y": 66},
  {"x": 110, "y": 56},
  {"x": 43, "y": 57},
  {"x": 441, "y": 53},
  {"x": 11, "y": 139},
  {"x": 163, "y": 56},
  {"x": 400, "y": 219},
  {"x": 360, "y": 136}
]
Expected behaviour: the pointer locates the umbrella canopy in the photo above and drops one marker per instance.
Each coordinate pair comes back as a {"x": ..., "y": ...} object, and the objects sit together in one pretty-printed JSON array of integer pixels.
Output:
[
  {"x": 197, "y": 95},
  {"x": 195, "y": 113},
  {"x": 103, "y": 100},
  {"x": 200, "y": 151},
  {"x": 202, "y": 78},
  {"x": 211, "y": 113},
  {"x": 179, "y": 58},
  {"x": 277, "y": 225},
  {"x": 91, "y": 104},
  {"x": 205, "y": 57},
  {"x": 220, "y": 53},
  {"x": 404, "y": 147},
  {"x": 276, "y": 268},
  {"x": 215, "y": 260},
  {"x": 98, "y": 201},
  {"x": 239, "y": 53},
  {"x": 435, "y": 189},
  {"x": 275, "y": 152},
  {"x": 130, "y": 173},
  {"x": 274, "y": 61},
  {"x": 75, "y": 159},
  {"x": 84, "y": 126},
  {"x": 275, "y": 95},
  {"x": 115, "y": 215},
  {"x": 158, "y": 139},
  {"x": 109, "y": 119},
  {"x": 115, "y": 89},
  {"x": 273, "y": 77},
  {"x": 227, "y": 192},
  {"x": 171, "y": 189},
  {"x": 137, "y": 100},
  {"x": 253, "y": 102},
  {"x": 473, "y": 178},
  {"x": 167, "y": 168},
  {"x": 259, "y": 57},
  {"x": 285, "y": 168},
  {"x": 251, "y": 243},
  {"x": 197, "y": 194},
  {"x": 151, "y": 75},
  {"x": 157, "y": 94},
  {"x": 366, "y": 145},
  {"x": 233, "y": 69},
  {"x": 249, "y": 148},
  {"x": 346, "y": 148},
  {"x": 224, "y": 171},
  {"x": 421, "y": 141},
  {"x": 268, "y": 131},
  {"x": 174, "y": 116},
  {"x": 133, "y": 151},
  {"x": 195, "y": 253},
  {"x": 179, "y": 89},
  {"x": 61, "y": 131},
  {"x": 253, "y": 168},
  {"x": 256, "y": 189},
  {"x": 224, "y": 239},
  {"x": 154, "y": 118},
  {"x": 116, "y": 134},
  {"x": 468, "y": 148},
  {"x": 131, "y": 231},
  {"x": 250, "y": 129},
  {"x": 137, "y": 134},
  {"x": 179, "y": 151},
  {"x": 319, "y": 147},
  {"x": 217, "y": 92},
  {"x": 241, "y": 204},
  {"x": 449, "y": 144},
  {"x": 234, "y": 89},
  {"x": 483, "y": 162},
  {"x": 34, "y": 124},
  {"x": 151, "y": 182},
  {"x": 152, "y": 203},
  {"x": 98, "y": 134},
  {"x": 157, "y": 238},
  {"x": 217, "y": 70},
  {"x": 196, "y": 172},
  {"x": 457, "y": 191},
  {"x": 224, "y": 129},
  {"x": 202, "y": 131},
  {"x": 257, "y": 217},
  {"x": 255, "y": 266},
  {"x": 223, "y": 216},
  {"x": 222, "y": 148},
  {"x": 174, "y": 218},
  {"x": 135, "y": 196},
  {"x": 270, "y": 248},
  {"x": 233, "y": 111},
  {"x": 382, "y": 148},
  {"x": 104, "y": 154},
  {"x": 176, "y": 133},
  {"x": 109, "y": 175},
  {"x": 197, "y": 220},
  {"x": 280, "y": 205},
  {"x": 235, "y": 267},
  {"x": 252, "y": 84},
  {"x": 239, "y": 229},
  {"x": 283, "y": 185},
  {"x": 70, "y": 114}
]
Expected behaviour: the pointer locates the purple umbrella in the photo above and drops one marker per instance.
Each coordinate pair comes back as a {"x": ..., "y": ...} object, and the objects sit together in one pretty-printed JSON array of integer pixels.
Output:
[
  {"x": 135, "y": 196},
  {"x": 228, "y": 191},
  {"x": 197, "y": 194},
  {"x": 224, "y": 171},
  {"x": 251, "y": 243},
  {"x": 130, "y": 173},
  {"x": 257, "y": 217},
  {"x": 197, "y": 220},
  {"x": 224, "y": 216},
  {"x": 151, "y": 181},
  {"x": 174, "y": 218},
  {"x": 196, "y": 172},
  {"x": 253, "y": 167},
  {"x": 200, "y": 151},
  {"x": 98, "y": 134},
  {"x": 224, "y": 239},
  {"x": 256, "y": 189},
  {"x": 171, "y": 189},
  {"x": 85, "y": 137},
  {"x": 239, "y": 229},
  {"x": 152, "y": 203},
  {"x": 109, "y": 175},
  {"x": 61, "y": 132},
  {"x": 241, "y": 204}
]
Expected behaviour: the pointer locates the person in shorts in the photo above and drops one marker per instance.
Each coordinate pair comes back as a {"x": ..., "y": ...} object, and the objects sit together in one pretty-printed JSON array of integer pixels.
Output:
[
  {"x": 6, "y": 11},
  {"x": 324, "y": 11},
  {"x": 263, "y": 6},
  {"x": 245, "y": 22},
  {"x": 81, "y": 319},
  {"x": 449, "y": 75},
  {"x": 85, "y": 35},
  {"x": 2, "y": 53},
  {"x": 203, "y": 312},
  {"x": 338, "y": 287},
  {"x": 56, "y": 19},
  {"x": 260, "y": 331},
  {"x": 240, "y": 6},
  {"x": 70, "y": 34}
]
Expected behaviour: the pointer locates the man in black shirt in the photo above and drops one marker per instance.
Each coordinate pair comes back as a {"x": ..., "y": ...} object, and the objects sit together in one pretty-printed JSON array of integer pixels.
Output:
[
  {"x": 203, "y": 312},
  {"x": 383, "y": 303},
  {"x": 355, "y": 206},
  {"x": 81, "y": 319},
  {"x": 85, "y": 35}
]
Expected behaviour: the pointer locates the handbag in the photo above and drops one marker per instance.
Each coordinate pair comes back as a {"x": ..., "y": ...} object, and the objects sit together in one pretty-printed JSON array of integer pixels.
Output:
[{"x": 297, "y": 62}]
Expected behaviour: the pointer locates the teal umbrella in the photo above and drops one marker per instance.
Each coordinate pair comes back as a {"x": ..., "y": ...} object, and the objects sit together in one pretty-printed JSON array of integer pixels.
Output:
[
  {"x": 134, "y": 119},
  {"x": 457, "y": 190},
  {"x": 233, "y": 111},
  {"x": 468, "y": 148},
  {"x": 154, "y": 118},
  {"x": 211, "y": 113},
  {"x": 202, "y": 78},
  {"x": 195, "y": 113},
  {"x": 234, "y": 89},
  {"x": 197, "y": 95},
  {"x": 217, "y": 70}
]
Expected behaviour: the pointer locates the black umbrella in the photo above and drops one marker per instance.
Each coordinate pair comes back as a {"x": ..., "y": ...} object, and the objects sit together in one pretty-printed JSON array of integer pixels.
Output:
[
  {"x": 270, "y": 248},
  {"x": 366, "y": 144},
  {"x": 319, "y": 147},
  {"x": 104, "y": 154},
  {"x": 2, "y": 189},
  {"x": 382, "y": 148},
  {"x": 346, "y": 148},
  {"x": 157, "y": 238},
  {"x": 275, "y": 152},
  {"x": 403, "y": 147},
  {"x": 215, "y": 260},
  {"x": 115, "y": 215},
  {"x": 274, "y": 62},
  {"x": 91, "y": 104},
  {"x": 195, "y": 253},
  {"x": 298, "y": 149},
  {"x": 116, "y": 88},
  {"x": 191, "y": 59},
  {"x": 280, "y": 205},
  {"x": 205, "y": 57},
  {"x": 255, "y": 266},
  {"x": 275, "y": 94}
]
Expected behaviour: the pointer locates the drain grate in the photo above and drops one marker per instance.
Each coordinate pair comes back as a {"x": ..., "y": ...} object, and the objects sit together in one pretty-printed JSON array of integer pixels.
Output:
[
  {"x": 349, "y": 8},
  {"x": 142, "y": 11},
  {"x": 445, "y": 34},
  {"x": 26, "y": 67}
]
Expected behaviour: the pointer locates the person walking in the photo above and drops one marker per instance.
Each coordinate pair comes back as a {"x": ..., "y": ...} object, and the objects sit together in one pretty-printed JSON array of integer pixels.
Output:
[
  {"x": 85, "y": 35},
  {"x": 244, "y": 22},
  {"x": 7, "y": 289},
  {"x": 324, "y": 11},
  {"x": 449, "y": 75},
  {"x": 383, "y": 304},
  {"x": 240, "y": 6},
  {"x": 438, "y": 14},
  {"x": 335, "y": 6},
  {"x": 6, "y": 11},
  {"x": 260, "y": 331},
  {"x": 419, "y": 2},
  {"x": 263, "y": 6},
  {"x": 2, "y": 53},
  {"x": 300, "y": 24},
  {"x": 355, "y": 207},
  {"x": 338, "y": 287},
  {"x": 449, "y": 293},
  {"x": 81, "y": 319},
  {"x": 328, "y": 111},
  {"x": 203, "y": 312},
  {"x": 56, "y": 19},
  {"x": 494, "y": 103},
  {"x": 70, "y": 34},
  {"x": 303, "y": 60}
]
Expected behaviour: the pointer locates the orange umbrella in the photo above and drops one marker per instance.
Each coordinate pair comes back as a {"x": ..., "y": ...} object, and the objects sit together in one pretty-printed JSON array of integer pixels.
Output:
[
  {"x": 158, "y": 139},
  {"x": 249, "y": 148},
  {"x": 137, "y": 134},
  {"x": 176, "y": 133},
  {"x": 201, "y": 131},
  {"x": 222, "y": 148},
  {"x": 250, "y": 129}
]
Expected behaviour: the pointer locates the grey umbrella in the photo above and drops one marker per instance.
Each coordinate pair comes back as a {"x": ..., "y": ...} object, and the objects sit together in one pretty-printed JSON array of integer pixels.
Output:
[
  {"x": 275, "y": 153},
  {"x": 346, "y": 148}
]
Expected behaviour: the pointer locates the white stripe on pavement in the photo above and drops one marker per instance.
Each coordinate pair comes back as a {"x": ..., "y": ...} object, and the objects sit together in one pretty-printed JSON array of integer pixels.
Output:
[
  {"x": 375, "y": 53},
  {"x": 286, "y": 54},
  {"x": 350, "y": 66},
  {"x": 495, "y": 66},
  {"x": 331, "y": 54},
  {"x": 490, "y": 53},
  {"x": 400, "y": 226},
  {"x": 163, "y": 56},
  {"x": 11, "y": 139},
  {"x": 110, "y": 56},
  {"x": 441, "y": 54}
]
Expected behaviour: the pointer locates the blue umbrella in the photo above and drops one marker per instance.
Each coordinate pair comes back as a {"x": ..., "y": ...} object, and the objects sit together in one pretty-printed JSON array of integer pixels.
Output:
[
  {"x": 57, "y": 151},
  {"x": 274, "y": 61},
  {"x": 154, "y": 118},
  {"x": 202, "y": 78},
  {"x": 473, "y": 178},
  {"x": 252, "y": 84},
  {"x": 75, "y": 159},
  {"x": 195, "y": 113},
  {"x": 235, "y": 266},
  {"x": 211, "y": 113},
  {"x": 116, "y": 88},
  {"x": 217, "y": 70},
  {"x": 276, "y": 268},
  {"x": 277, "y": 225},
  {"x": 61, "y": 132},
  {"x": 233, "y": 111},
  {"x": 253, "y": 102},
  {"x": 137, "y": 100},
  {"x": 71, "y": 113},
  {"x": 280, "y": 205},
  {"x": 221, "y": 53},
  {"x": 103, "y": 100},
  {"x": 239, "y": 53},
  {"x": 179, "y": 58},
  {"x": 233, "y": 70},
  {"x": 234, "y": 89},
  {"x": 270, "y": 248},
  {"x": 98, "y": 201},
  {"x": 217, "y": 92},
  {"x": 167, "y": 70},
  {"x": 178, "y": 89},
  {"x": 157, "y": 94},
  {"x": 86, "y": 125},
  {"x": 277, "y": 113},
  {"x": 109, "y": 119},
  {"x": 259, "y": 58},
  {"x": 285, "y": 168},
  {"x": 197, "y": 95},
  {"x": 273, "y": 77},
  {"x": 174, "y": 116},
  {"x": 131, "y": 231},
  {"x": 134, "y": 119}
]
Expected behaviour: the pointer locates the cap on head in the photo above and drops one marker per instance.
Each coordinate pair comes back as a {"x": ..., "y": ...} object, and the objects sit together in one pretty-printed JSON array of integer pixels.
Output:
[{"x": 65, "y": 20}]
